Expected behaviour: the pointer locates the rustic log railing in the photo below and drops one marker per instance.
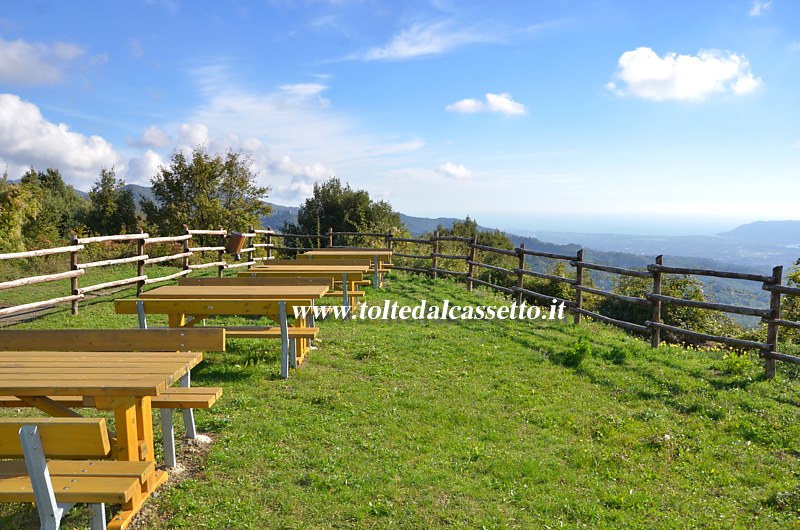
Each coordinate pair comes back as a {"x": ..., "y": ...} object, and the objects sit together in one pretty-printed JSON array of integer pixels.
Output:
[{"x": 460, "y": 257}]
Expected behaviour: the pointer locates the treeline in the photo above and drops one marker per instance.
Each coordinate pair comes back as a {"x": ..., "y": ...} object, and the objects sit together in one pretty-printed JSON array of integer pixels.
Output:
[{"x": 202, "y": 190}]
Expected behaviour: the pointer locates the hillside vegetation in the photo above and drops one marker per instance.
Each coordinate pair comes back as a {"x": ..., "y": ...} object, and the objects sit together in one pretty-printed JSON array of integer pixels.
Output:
[{"x": 479, "y": 424}]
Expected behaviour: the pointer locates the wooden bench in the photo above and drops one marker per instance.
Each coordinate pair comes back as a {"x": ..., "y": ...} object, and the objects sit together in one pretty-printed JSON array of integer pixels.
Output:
[
  {"x": 56, "y": 485},
  {"x": 185, "y": 397}
]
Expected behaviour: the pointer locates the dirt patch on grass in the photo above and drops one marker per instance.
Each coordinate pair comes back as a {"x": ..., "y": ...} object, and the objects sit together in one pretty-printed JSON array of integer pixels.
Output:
[{"x": 191, "y": 456}]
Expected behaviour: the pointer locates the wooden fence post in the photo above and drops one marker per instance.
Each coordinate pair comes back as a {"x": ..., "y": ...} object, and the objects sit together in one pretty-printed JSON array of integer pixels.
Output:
[
  {"x": 655, "y": 333},
  {"x": 186, "y": 248},
  {"x": 250, "y": 254},
  {"x": 330, "y": 237},
  {"x": 520, "y": 275},
  {"x": 73, "y": 266},
  {"x": 470, "y": 266},
  {"x": 578, "y": 284},
  {"x": 140, "y": 264},
  {"x": 772, "y": 326},
  {"x": 221, "y": 253},
  {"x": 269, "y": 242},
  {"x": 390, "y": 243},
  {"x": 434, "y": 254}
]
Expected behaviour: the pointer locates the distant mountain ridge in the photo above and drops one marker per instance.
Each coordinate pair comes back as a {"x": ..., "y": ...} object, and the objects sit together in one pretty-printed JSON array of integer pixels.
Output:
[{"x": 778, "y": 232}]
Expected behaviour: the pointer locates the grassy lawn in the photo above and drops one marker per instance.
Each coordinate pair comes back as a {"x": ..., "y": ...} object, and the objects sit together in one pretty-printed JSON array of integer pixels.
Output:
[{"x": 472, "y": 424}]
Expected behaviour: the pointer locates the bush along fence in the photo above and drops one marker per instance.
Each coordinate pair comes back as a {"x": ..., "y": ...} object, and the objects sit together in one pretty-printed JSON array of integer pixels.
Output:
[{"x": 506, "y": 270}]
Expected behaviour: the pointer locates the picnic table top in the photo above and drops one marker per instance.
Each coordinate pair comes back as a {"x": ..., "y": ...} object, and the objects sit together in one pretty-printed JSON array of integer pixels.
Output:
[
  {"x": 348, "y": 252},
  {"x": 237, "y": 292},
  {"x": 57, "y": 373},
  {"x": 309, "y": 266}
]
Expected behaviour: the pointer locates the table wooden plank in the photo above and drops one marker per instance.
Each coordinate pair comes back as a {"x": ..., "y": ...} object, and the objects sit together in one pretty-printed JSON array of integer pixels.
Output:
[{"x": 237, "y": 292}]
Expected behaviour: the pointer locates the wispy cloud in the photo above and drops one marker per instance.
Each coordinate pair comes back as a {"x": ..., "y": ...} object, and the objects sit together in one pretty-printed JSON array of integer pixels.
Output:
[
  {"x": 642, "y": 73},
  {"x": 454, "y": 171},
  {"x": 759, "y": 7},
  {"x": 295, "y": 135},
  {"x": 25, "y": 63},
  {"x": 500, "y": 103},
  {"x": 422, "y": 39}
]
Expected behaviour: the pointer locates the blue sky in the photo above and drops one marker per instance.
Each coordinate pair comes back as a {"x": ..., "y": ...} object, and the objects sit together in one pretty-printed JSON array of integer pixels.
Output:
[{"x": 599, "y": 116}]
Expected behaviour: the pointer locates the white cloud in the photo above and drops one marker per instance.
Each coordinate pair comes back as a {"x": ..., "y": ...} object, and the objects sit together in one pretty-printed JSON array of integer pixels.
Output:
[
  {"x": 24, "y": 63},
  {"x": 759, "y": 7},
  {"x": 643, "y": 74},
  {"x": 153, "y": 136},
  {"x": 424, "y": 39},
  {"x": 27, "y": 138},
  {"x": 454, "y": 171},
  {"x": 502, "y": 103},
  {"x": 193, "y": 135},
  {"x": 141, "y": 169},
  {"x": 299, "y": 188}
]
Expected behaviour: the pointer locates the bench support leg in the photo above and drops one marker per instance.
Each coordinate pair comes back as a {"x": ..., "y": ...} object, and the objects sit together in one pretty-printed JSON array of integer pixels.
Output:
[
  {"x": 141, "y": 314},
  {"x": 98, "y": 516},
  {"x": 50, "y": 512},
  {"x": 293, "y": 353},
  {"x": 188, "y": 414},
  {"x": 345, "y": 297},
  {"x": 375, "y": 278},
  {"x": 284, "y": 340},
  {"x": 168, "y": 437}
]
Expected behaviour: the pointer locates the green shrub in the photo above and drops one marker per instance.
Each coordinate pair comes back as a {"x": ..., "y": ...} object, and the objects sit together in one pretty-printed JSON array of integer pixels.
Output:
[
  {"x": 573, "y": 356},
  {"x": 616, "y": 355}
]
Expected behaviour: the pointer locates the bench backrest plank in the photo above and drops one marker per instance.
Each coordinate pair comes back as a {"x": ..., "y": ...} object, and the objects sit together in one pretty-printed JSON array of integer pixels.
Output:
[
  {"x": 102, "y": 340},
  {"x": 206, "y": 307},
  {"x": 61, "y": 437}
]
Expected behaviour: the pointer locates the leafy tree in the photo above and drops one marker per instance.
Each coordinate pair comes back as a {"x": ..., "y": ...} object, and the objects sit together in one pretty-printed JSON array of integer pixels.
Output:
[
  {"x": 60, "y": 208},
  {"x": 18, "y": 205},
  {"x": 790, "y": 307},
  {"x": 112, "y": 209},
  {"x": 205, "y": 192},
  {"x": 344, "y": 210},
  {"x": 678, "y": 286},
  {"x": 468, "y": 228}
]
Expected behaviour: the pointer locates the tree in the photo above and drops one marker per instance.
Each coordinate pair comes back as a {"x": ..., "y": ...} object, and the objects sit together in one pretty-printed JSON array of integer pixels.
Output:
[
  {"x": 205, "y": 192},
  {"x": 344, "y": 210},
  {"x": 18, "y": 205},
  {"x": 112, "y": 209},
  {"x": 60, "y": 208},
  {"x": 677, "y": 286}
]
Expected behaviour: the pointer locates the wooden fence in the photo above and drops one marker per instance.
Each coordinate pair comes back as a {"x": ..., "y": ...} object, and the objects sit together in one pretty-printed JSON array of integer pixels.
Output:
[{"x": 431, "y": 256}]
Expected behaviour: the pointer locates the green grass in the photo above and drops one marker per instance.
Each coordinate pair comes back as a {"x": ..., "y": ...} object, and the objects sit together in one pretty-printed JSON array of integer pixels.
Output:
[{"x": 472, "y": 424}]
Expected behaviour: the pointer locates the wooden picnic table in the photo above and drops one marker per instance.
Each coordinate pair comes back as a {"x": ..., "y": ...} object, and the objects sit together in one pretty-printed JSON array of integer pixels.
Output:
[
  {"x": 380, "y": 258},
  {"x": 206, "y": 300},
  {"x": 122, "y": 382},
  {"x": 350, "y": 275}
]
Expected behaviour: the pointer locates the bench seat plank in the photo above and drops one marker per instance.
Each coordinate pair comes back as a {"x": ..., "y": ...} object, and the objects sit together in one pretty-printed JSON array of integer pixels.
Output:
[
  {"x": 141, "y": 471},
  {"x": 71, "y": 488},
  {"x": 193, "y": 397}
]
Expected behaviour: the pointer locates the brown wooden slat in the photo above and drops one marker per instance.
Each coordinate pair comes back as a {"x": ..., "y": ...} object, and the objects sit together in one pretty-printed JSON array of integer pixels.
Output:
[{"x": 105, "y": 340}]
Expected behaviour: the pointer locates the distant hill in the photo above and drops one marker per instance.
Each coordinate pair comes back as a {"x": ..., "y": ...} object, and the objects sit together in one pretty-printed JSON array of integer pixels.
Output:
[
  {"x": 279, "y": 216},
  {"x": 139, "y": 192},
  {"x": 779, "y": 232}
]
